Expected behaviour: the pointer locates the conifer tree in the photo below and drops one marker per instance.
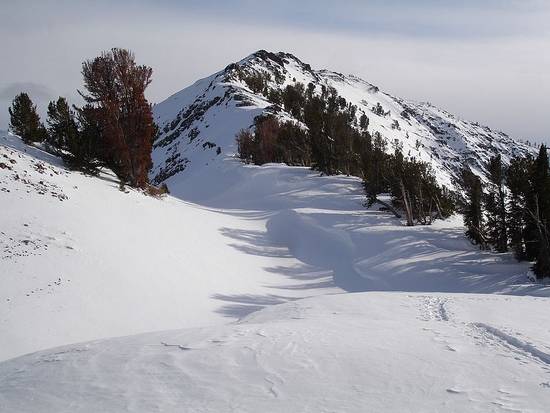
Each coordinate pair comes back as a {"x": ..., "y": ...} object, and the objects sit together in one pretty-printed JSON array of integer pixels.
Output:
[
  {"x": 473, "y": 212},
  {"x": 85, "y": 147},
  {"x": 374, "y": 167},
  {"x": 495, "y": 206},
  {"x": 364, "y": 122},
  {"x": 540, "y": 212},
  {"x": 116, "y": 88},
  {"x": 414, "y": 190},
  {"x": 24, "y": 119},
  {"x": 62, "y": 126},
  {"x": 245, "y": 145},
  {"x": 517, "y": 180}
]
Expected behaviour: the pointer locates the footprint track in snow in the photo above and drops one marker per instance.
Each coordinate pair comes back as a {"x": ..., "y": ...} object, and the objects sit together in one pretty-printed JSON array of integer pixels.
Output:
[{"x": 434, "y": 308}]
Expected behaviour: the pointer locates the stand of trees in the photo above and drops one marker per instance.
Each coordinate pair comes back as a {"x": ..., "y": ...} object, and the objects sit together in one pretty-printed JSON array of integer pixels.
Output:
[
  {"x": 329, "y": 139},
  {"x": 114, "y": 128},
  {"x": 411, "y": 184},
  {"x": 512, "y": 209},
  {"x": 329, "y": 142}
]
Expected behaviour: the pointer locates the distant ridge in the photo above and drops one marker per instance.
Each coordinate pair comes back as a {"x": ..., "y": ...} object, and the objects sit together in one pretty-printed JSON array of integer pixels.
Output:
[{"x": 198, "y": 124}]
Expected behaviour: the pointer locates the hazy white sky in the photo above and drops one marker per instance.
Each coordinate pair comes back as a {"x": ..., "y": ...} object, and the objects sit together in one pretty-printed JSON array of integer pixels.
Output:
[{"x": 486, "y": 61}]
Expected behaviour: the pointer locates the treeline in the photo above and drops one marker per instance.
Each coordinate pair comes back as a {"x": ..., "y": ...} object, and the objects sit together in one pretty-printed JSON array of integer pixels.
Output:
[
  {"x": 329, "y": 138},
  {"x": 512, "y": 210},
  {"x": 114, "y": 127}
]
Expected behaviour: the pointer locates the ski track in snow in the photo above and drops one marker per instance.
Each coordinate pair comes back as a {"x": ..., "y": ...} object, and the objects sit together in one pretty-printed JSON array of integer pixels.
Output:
[
  {"x": 490, "y": 335},
  {"x": 434, "y": 308}
]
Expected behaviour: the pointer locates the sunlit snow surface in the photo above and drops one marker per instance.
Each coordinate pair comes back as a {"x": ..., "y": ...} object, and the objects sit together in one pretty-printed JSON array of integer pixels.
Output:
[
  {"x": 397, "y": 319},
  {"x": 381, "y": 352}
]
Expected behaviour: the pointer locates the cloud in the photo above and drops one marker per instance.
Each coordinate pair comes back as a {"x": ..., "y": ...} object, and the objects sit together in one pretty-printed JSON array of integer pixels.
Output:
[
  {"x": 482, "y": 60},
  {"x": 34, "y": 90},
  {"x": 39, "y": 93},
  {"x": 421, "y": 18}
]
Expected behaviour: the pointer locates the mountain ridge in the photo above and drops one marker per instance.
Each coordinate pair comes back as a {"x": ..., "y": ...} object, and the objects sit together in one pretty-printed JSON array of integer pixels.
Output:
[{"x": 199, "y": 123}]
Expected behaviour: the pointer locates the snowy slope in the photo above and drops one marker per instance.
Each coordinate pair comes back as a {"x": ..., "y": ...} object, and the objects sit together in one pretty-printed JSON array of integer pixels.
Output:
[
  {"x": 199, "y": 124},
  {"x": 434, "y": 324},
  {"x": 365, "y": 352},
  {"x": 82, "y": 260}
]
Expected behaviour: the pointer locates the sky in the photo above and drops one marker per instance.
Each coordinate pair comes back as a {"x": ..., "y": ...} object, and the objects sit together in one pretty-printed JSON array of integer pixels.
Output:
[{"x": 486, "y": 60}]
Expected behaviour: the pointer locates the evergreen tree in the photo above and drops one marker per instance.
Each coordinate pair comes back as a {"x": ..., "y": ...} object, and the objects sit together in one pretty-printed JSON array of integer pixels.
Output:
[
  {"x": 374, "y": 167},
  {"x": 364, "y": 121},
  {"x": 541, "y": 212},
  {"x": 62, "y": 126},
  {"x": 245, "y": 145},
  {"x": 395, "y": 176},
  {"x": 415, "y": 191},
  {"x": 495, "y": 206},
  {"x": 517, "y": 180},
  {"x": 473, "y": 212},
  {"x": 24, "y": 119},
  {"x": 85, "y": 147},
  {"x": 116, "y": 88},
  {"x": 293, "y": 99}
]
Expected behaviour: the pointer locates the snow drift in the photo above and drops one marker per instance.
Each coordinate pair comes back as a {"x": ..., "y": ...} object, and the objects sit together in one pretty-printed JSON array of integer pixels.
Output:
[{"x": 382, "y": 352}]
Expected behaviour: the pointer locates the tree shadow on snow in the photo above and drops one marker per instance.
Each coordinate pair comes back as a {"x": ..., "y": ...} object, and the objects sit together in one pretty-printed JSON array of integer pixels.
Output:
[
  {"x": 241, "y": 305},
  {"x": 358, "y": 252}
]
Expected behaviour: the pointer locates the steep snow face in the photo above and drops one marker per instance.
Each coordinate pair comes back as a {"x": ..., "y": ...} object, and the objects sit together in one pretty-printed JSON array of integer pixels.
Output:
[
  {"x": 198, "y": 125},
  {"x": 379, "y": 352}
]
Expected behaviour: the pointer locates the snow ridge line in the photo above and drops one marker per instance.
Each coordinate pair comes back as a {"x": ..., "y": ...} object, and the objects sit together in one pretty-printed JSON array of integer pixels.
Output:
[{"x": 514, "y": 342}]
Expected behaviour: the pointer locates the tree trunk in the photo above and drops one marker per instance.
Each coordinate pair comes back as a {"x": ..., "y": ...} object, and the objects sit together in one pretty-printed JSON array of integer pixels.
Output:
[
  {"x": 390, "y": 208},
  {"x": 439, "y": 214},
  {"x": 408, "y": 211}
]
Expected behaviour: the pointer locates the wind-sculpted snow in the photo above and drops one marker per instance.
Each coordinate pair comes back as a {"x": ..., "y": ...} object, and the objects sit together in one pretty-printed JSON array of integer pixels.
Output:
[
  {"x": 214, "y": 109},
  {"x": 360, "y": 352}
]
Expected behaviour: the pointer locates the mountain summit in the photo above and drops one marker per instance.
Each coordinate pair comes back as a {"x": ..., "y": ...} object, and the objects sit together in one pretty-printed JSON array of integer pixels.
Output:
[{"x": 198, "y": 124}]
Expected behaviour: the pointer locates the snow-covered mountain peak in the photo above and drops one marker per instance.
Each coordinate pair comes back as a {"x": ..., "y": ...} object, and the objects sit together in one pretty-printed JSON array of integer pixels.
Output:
[{"x": 198, "y": 124}]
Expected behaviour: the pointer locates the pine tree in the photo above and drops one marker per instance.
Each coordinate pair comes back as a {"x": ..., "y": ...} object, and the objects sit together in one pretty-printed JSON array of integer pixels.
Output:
[
  {"x": 24, "y": 119},
  {"x": 116, "y": 88},
  {"x": 245, "y": 145},
  {"x": 517, "y": 180},
  {"x": 266, "y": 140},
  {"x": 495, "y": 206},
  {"x": 85, "y": 147},
  {"x": 374, "y": 168},
  {"x": 400, "y": 192},
  {"x": 540, "y": 212},
  {"x": 62, "y": 126},
  {"x": 473, "y": 212},
  {"x": 414, "y": 190},
  {"x": 364, "y": 121},
  {"x": 293, "y": 99}
]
